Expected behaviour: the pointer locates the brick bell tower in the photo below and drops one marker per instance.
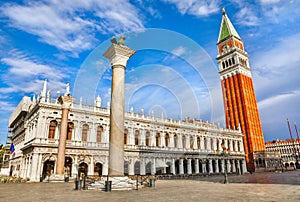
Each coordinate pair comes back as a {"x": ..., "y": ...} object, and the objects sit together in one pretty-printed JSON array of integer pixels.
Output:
[{"x": 238, "y": 92}]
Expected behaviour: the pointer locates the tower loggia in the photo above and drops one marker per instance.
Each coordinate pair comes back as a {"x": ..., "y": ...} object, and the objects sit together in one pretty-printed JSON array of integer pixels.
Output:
[{"x": 240, "y": 105}]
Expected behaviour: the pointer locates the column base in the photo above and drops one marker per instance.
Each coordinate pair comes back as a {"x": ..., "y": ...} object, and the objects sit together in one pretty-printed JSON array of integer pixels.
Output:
[{"x": 117, "y": 183}]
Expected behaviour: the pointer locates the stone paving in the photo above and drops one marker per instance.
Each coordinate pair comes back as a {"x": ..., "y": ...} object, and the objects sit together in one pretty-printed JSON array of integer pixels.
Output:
[{"x": 256, "y": 187}]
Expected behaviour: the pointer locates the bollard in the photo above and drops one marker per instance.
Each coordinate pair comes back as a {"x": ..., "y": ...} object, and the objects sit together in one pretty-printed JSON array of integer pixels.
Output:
[
  {"x": 78, "y": 184},
  {"x": 107, "y": 186},
  {"x": 152, "y": 182}
]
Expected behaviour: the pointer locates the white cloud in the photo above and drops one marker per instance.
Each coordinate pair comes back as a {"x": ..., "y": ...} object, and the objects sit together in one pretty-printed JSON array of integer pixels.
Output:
[
  {"x": 264, "y": 2},
  {"x": 179, "y": 51},
  {"x": 247, "y": 17},
  {"x": 26, "y": 75},
  {"x": 196, "y": 7},
  {"x": 67, "y": 25}
]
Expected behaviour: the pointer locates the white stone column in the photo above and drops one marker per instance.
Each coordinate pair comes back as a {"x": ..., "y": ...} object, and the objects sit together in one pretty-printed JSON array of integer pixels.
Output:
[
  {"x": 202, "y": 143},
  {"x": 214, "y": 144},
  {"x": 235, "y": 146},
  {"x": 222, "y": 165},
  {"x": 171, "y": 140},
  {"x": 142, "y": 167},
  {"x": 39, "y": 166},
  {"x": 208, "y": 143},
  {"x": 105, "y": 166},
  {"x": 195, "y": 145},
  {"x": 142, "y": 138},
  {"x": 162, "y": 139},
  {"x": 131, "y": 167},
  {"x": 210, "y": 166},
  {"x": 181, "y": 170},
  {"x": 34, "y": 163},
  {"x": 91, "y": 167},
  {"x": 196, "y": 166},
  {"x": 238, "y": 167},
  {"x": 217, "y": 165},
  {"x": 118, "y": 56},
  {"x": 228, "y": 166},
  {"x": 75, "y": 167},
  {"x": 130, "y": 136},
  {"x": 152, "y": 138},
  {"x": 244, "y": 166},
  {"x": 179, "y": 139},
  {"x": 187, "y": 142},
  {"x": 153, "y": 167},
  {"x": 231, "y": 145},
  {"x": 189, "y": 166},
  {"x": 233, "y": 166},
  {"x": 173, "y": 167},
  {"x": 204, "y": 171}
]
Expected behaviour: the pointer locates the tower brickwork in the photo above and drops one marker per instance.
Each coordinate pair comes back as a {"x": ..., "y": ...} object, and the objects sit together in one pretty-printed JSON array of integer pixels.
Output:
[{"x": 240, "y": 105}]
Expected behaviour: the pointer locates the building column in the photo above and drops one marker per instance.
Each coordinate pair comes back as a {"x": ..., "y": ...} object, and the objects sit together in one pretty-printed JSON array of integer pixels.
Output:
[
  {"x": 91, "y": 167},
  {"x": 201, "y": 143},
  {"x": 118, "y": 56},
  {"x": 181, "y": 170},
  {"x": 66, "y": 102},
  {"x": 210, "y": 166},
  {"x": 171, "y": 143},
  {"x": 153, "y": 167},
  {"x": 131, "y": 167},
  {"x": 244, "y": 168},
  {"x": 228, "y": 166},
  {"x": 173, "y": 166},
  {"x": 204, "y": 171},
  {"x": 189, "y": 166},
  {"x": 130, "y": 136},
  {"x": 142, "y": 167},
  {"x": 162, "y": 139},
  {"x": 105, "y": 166},
  {"x": 238, "y": 167},
  {"x": 34, "y": 163},
  {"x": 233, "y": 166},
  {"x": 39, "y": 166},
  {"x": 222, "y": 165},
  {"x": 217, "y": 165},
  {"x": 75, "y": 166},
  {"x": 196, "y": 166}
]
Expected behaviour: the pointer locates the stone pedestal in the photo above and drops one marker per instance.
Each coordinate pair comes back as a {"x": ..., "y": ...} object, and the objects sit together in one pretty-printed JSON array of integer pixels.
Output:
[
  {"x": 117, "y": 183},
  {"x": 118, "y": 56},
  {"x": 66, "y": 102}
]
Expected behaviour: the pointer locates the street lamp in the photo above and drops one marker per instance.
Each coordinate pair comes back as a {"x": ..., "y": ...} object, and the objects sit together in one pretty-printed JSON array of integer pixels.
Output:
[{"x": 224, "y": 154}]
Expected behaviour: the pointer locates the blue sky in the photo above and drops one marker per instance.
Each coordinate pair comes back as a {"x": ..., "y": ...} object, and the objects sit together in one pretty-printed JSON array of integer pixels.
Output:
[{"x": 174, "y": 72}]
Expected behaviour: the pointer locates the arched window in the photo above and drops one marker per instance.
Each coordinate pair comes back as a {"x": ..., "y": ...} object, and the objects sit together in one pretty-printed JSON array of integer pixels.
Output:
[
  {"x": 198, "y": 142},
  {"x": 52, "y": 128},
  {"x": 183, "y": 142},
  {"x": 147, "y": 138},
  {"x": 85, "y": 129},
  {"x": 175, "y": 141},
  {"x": 125, "y": 136},
  {"x": 226, "y": 62},
  {"x": 233, "y": 62},
  {"x": 223, "y": 65},
  {"x": 136, "y": 137},
  {"x": 69, "y": 130},
  {"x": 229, "y": 62},
  {"x": 99, "y": 133},
  {"x": 157, "y": 139},
  {"x": 167, "y": 140}
]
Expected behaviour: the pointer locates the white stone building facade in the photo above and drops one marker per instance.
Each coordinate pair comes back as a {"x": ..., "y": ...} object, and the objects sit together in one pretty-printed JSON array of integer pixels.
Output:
[{"x": 152, "y": 145}]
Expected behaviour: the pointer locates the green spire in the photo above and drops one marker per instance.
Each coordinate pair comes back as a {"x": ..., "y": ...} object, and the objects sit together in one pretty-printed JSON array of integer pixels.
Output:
[{"x": 227, "y": 30}]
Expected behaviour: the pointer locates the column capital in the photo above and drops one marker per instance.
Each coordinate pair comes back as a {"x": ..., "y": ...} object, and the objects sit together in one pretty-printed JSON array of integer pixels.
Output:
[
  {"x": 118, "y": 55},
  {"x": 66, "y": 101}
]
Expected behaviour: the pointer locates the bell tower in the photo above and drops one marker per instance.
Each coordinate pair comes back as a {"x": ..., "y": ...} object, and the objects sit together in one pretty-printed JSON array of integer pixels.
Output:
[{"x": 238, "y": 92}]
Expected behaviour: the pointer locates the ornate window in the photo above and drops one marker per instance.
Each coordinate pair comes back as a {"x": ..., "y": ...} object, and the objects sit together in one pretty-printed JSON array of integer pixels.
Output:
[
  {"x": 85, "y": 129},
  {"x": 99, "y": 133},
  {"x": 157, "y": 139},
  {"x": 147, "y": 138},
  {"x": 175, "y": 141},
  {"x": 125, "y": 136},
  {"x": 52, "y": 128},
  {"x": 136, "y": 137},
  {"x": 69, "y": 130}
]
